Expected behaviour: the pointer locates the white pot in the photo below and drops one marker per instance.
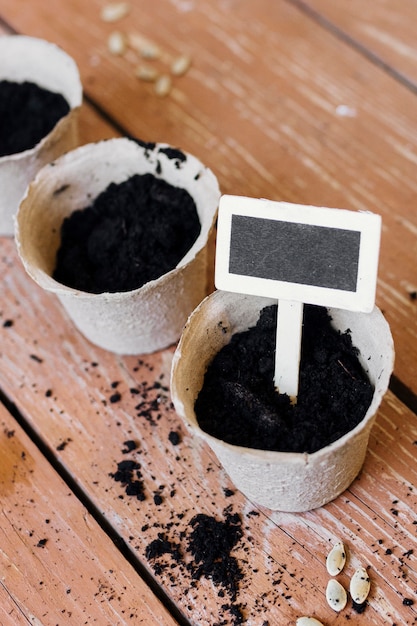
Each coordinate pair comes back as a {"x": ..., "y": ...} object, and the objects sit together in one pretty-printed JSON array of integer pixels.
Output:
[
  {"x": 283, "y": 481},
  {"x": 45, "y": 64},
  {"x": 133, "y": 322}
]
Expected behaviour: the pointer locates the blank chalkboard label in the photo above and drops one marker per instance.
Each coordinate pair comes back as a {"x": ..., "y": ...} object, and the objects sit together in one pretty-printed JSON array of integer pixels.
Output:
[
  {"x": 294, "y": 252},
  {"x": 300, "y": 253}
]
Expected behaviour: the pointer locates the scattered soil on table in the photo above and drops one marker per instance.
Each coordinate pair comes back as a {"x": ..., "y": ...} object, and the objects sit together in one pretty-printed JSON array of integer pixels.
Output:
[
  {"x": 27, "y": 114},
  {"x": 132, "y": 233},
  {"x": 191, "y": 547},
  {"x": 129, "y": 475},
  {"x": 210, "y": 543},
  {"x": 206, "y": 552},
  {"x": 238, "y": 402}
]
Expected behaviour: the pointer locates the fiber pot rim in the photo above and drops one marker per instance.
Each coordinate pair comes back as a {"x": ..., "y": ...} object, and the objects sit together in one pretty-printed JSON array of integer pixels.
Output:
[
  {"x": 151, "y": 152},
  {"x": 272, "y": 456},
  {"x": 73, "y": 95}
]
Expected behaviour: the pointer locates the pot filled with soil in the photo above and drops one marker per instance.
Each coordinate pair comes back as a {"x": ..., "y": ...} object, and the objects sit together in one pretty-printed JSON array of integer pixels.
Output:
[
  {"x": 118, "y": 230},
  {"x": 40, "y": 96},
  {"x": 287, "y": 457}
]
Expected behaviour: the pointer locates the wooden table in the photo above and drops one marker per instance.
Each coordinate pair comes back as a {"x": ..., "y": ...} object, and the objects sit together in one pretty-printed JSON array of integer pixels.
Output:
[{"x": 308, "y": 101}]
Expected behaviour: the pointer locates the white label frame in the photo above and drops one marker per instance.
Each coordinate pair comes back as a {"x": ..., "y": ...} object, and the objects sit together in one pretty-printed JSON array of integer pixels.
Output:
[{"x": 366, "y": 223}]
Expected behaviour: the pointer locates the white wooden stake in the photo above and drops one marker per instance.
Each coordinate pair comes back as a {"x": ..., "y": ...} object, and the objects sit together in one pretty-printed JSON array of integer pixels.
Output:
[{"x": 288, "y": 347}]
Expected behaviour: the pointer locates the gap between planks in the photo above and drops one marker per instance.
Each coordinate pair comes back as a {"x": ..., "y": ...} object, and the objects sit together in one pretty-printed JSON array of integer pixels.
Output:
[
  {"x": 92, "y": 509},
  {"x": 353, "y": 43}
]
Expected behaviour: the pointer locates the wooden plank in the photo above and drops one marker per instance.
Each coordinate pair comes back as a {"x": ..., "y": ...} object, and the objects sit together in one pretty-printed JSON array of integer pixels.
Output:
[
  {"x": 383, "y": 29},
  {"x": 57, "y": 565},
  {"x": 271, "y": 129},
  {"x": 65, "y": 389},
  {"x": 275, "y": 105}
]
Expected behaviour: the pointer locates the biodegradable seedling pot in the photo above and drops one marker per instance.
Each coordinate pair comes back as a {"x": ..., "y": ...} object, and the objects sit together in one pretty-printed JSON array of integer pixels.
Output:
[
  {"x": 45, "y": 64},
  {"x": 132, "y": 322},
  {"x": 283, "y": 481}
]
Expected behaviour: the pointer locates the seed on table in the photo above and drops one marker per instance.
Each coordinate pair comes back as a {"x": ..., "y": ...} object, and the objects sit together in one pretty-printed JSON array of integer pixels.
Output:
[
  {"x": 146, "y": 73},
  {"x": 147, "y": 49},
  {"x": 116, "y": 43},
  {"x": 336, "y": 595},
  {"x": 135, "y": 41},
  {"x": 114, "y": 11},
  {"x": 336, "y": 559},
  {"x": 360, "y": 585},
  {"x": 308, "y": 621},
  {"x": 150, "y": 51},
  {"x": 180, "y": 65},
  {"x": 163, "y": 85}
]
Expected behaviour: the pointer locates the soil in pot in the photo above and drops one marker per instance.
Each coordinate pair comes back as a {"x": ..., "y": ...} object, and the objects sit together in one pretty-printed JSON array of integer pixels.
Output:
[
  {"x": 28, "y": 113},
  {"x": 238, "y": 402},
  {"x": 133, "y": 232}
]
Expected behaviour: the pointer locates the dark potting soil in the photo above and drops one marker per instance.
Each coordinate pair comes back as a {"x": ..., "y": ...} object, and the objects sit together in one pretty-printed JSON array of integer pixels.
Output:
[
  {"x": 133, "y": 232},
  {"x": 206, "y": 551},
  {"x": 27, "y": 114},
  {"x": 211, "y": 542},
  {"x": 239, "y": 404}
]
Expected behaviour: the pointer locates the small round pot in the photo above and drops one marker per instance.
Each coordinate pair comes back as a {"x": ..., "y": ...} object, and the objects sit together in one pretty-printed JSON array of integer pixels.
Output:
[
  {"x": 282, "y": 481},
  {"x": 132, "y": 322},
  {"x": 45, "y": 64}
]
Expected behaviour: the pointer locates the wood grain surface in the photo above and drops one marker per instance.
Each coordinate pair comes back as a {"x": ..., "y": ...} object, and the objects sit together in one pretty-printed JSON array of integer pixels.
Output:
[
  {"x": 305, "y": 101},
  {"x": 64, "y": 388},
  {"x": 383, "y": 30},
  {"x": 57, "y": 565},
  {"x": 275, "y": 104}
]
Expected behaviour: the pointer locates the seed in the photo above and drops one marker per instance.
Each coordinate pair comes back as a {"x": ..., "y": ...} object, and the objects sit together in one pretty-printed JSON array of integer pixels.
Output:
[
  {"x": 115, "y": 11},
  {"x": 336, "y": 595},
  {"x": 308, "y": 621},
  {"x": 360, "y": 585},
  {"x": 116, "y": 43},
  {"x": 147, "y": 49},
  {"x": 163, "y": 85},
  {"x": 150, "y": 51},
  {"x": 336, "y": 559},
  {"x": 180, "y": 65},
  {"x": 146, "y": 73},
  {"x": 135, "y": 41}
]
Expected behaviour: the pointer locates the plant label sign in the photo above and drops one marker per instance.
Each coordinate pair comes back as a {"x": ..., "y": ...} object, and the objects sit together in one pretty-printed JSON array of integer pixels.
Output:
[{"x": 296, "y": 254}]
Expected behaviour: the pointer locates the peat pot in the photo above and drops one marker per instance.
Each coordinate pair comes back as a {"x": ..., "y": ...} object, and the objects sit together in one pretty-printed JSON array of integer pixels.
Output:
[
  {"x": 282, "y": 481},
  {"x": 45, "y": 64},
  {"x": 132, "y": 322}
]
